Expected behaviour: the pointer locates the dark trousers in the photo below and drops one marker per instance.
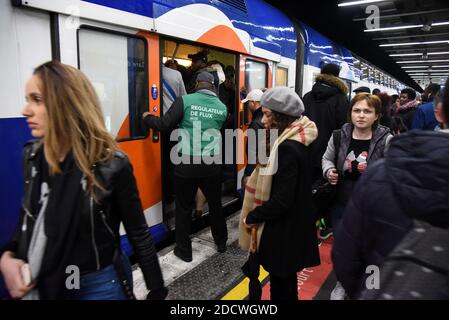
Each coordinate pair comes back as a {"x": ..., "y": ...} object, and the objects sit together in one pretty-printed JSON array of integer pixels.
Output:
[
  {"x": 284, "y": 288},
  {"x": 185, "y": 190},
  {"x": 317, "y": 173}
]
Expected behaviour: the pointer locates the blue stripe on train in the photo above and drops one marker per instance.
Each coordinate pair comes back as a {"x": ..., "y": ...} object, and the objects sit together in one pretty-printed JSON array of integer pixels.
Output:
[
  {"x": 158, "y": 232},
  {"x": 14, "y": 134}
]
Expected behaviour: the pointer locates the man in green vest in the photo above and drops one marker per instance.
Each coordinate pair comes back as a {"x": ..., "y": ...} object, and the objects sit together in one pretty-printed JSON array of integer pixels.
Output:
[{"x": 200, "y": 116}]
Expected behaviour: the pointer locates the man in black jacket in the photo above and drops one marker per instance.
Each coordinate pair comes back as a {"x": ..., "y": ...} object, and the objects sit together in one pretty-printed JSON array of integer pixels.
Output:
[
  {"x": 410, "y": 183},
  {"x": 326, "y": 105},
  {"x": 253, "y": 100}
]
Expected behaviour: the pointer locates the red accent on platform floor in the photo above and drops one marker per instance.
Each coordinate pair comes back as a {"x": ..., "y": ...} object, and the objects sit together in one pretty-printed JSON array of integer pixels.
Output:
[{"x": 310, "y": 280}]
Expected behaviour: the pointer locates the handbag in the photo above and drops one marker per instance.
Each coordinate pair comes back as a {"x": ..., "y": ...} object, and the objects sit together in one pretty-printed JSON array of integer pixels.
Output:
[{"x": 324, "y": 193}]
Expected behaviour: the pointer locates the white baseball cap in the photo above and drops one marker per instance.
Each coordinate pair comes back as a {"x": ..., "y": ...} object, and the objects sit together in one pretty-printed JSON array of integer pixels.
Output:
[{"x": 253, "y": 95}]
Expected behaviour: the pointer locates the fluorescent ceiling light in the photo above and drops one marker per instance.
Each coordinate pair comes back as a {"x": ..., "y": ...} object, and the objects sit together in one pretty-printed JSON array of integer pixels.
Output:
[
  {"x": 431, "y": 71},
  {"x": 405, "y": 54},
  {"x": 436, "y": 24},
  {"x": 423, "y": 61},
  {"x": 440, "y": 23},
  {"x": 413, "y": 67},
  {"x": 410, "y": 67},
  {"x": 353, "y": 3},
  {"x": 412, "y": 43},
  {"x": 417, "y": 54},
  {"x": 394, "y": 28},
  {"x": 431, "y": 74}
]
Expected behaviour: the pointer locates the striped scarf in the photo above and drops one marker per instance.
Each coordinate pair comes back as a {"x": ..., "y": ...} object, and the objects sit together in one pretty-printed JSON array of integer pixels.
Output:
[{"x": 258, "y": 187}]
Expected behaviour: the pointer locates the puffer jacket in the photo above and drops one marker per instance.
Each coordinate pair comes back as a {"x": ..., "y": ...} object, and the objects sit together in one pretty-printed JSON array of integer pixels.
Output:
[
  {"x": 378, "y": 144},
  {"x": 410, "y": 183},
  {"x": 100, "y": 219},
  {"x": 326, "y": 105}
]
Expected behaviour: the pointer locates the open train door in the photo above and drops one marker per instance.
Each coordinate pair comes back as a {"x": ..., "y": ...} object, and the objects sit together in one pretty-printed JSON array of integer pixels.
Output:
[
  {"x": 125, "y": 71},
  {"x": 254, "y": 73}
]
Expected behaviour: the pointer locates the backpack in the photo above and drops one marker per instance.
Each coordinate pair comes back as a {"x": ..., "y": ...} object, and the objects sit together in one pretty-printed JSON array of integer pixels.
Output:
[{"x": 417, "y": 268}]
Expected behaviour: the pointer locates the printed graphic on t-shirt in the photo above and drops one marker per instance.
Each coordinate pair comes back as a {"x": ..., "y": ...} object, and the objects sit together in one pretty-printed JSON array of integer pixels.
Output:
[
  {"x": 351, "y": 163},
  {"x": 356, "y": 159}
]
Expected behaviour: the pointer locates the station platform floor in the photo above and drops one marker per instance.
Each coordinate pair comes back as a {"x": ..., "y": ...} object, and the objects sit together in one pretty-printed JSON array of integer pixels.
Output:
[{"x": 218, "y": 276}]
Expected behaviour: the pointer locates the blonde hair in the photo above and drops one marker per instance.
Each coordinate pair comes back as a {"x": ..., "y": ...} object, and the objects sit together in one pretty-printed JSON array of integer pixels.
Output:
[{"x": 75, "y": 120}]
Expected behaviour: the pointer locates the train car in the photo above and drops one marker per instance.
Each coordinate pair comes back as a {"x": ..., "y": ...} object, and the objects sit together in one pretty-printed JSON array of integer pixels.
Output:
[{"x": 121, "y": 45}]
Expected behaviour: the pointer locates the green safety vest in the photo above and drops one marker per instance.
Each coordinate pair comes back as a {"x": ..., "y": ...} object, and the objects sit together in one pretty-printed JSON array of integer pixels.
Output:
[{"x": 201, "y": 112}]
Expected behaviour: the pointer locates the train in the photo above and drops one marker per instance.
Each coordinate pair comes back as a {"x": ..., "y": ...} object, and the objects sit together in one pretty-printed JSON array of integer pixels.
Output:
[{"x": 121, "y": 45}]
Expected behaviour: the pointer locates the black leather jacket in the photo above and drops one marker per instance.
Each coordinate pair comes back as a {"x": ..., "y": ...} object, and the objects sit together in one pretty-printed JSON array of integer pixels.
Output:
[{"x": 100, "y": 220}]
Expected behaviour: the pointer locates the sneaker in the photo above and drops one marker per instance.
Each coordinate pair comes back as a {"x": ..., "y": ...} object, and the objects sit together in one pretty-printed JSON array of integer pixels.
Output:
[
  {"x": 183, "y": 257},
  {"x": 325, "y": 233},
  {"x": 338, "y": 293}
]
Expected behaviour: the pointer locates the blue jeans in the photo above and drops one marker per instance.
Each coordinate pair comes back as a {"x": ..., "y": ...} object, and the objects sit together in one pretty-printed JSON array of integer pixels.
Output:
[{"x": 103, "y": 284}]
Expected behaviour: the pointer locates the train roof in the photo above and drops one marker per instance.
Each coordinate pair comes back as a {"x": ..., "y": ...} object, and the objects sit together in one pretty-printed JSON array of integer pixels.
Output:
[{"x": 263, "y": 30}]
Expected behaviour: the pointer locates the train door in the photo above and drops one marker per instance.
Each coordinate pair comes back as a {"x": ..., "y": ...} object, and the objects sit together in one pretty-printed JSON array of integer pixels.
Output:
[
  {"x": 254, "y": 73},
  {"x": 123, "y": 65},
  {"x": 175, "y": 55}
]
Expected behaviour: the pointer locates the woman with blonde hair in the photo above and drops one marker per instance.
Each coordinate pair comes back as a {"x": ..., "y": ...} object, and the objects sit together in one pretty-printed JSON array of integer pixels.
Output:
[{"x": 78, "y": 189}]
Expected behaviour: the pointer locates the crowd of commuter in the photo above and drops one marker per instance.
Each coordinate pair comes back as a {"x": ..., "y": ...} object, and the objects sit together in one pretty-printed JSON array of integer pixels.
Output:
[{"x": 383, "y": 159}]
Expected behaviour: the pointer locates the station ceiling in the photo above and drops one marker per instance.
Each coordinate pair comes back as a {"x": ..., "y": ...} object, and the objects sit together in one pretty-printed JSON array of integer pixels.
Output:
[{"x": 415, "y": 54}]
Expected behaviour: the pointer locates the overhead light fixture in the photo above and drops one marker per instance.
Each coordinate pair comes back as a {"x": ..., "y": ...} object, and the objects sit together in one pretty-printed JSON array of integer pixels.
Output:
[
  {"x": 425, "y": 27},
  {"x": 411, "y": 67},
  {"x": 423, "y": 61},
  {"x": 413, "y": 71},
  {"x": 430, "y": 76},
  {"x": 353, "y": 3},
  {"x": 394, "y": 28},
  {"x": 436, "y": 24},
  {"x": 432, "y": 73},
  {"x": 412, "y": 43},
  {"x": 417, "y": 54},
  {"x": 405, "y": 54}
]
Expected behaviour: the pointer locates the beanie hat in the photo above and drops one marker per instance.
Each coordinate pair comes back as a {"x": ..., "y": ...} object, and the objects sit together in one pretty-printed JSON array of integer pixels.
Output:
[{"x": 283, "y": 100}]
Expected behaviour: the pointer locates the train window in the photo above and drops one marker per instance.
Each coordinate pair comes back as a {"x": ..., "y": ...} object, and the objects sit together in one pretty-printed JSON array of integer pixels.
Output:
[
  {"x": 371, "y": 77},
  {"x": 116, "y": 64},
  {"x": 365, "y": 72},
  {"x": 281, "y": 77},
  {"x": 255, "y": 75}
]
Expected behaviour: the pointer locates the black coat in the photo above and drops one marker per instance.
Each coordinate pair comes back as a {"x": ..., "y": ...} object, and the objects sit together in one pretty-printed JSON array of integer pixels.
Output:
[
  {"x": 92, "y": 243},
  {"x": 289, "y": 242},
  {"x": 412, "y": 182},
  {"x": 256, "y": 125},
  {"x": 326, "y": 105}
]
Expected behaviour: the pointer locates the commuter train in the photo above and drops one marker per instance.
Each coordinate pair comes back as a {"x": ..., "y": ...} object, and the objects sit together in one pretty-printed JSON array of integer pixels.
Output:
[{"x": 121, "y": 45}]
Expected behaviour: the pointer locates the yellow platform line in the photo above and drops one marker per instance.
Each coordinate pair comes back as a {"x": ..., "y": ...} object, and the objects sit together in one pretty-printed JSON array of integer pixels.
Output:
[{"x": 240, "y": 291}]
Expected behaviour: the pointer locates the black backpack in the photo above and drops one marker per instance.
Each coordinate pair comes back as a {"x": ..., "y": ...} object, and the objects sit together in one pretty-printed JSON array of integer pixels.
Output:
[{"x": 417, "y": 268}]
